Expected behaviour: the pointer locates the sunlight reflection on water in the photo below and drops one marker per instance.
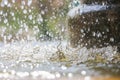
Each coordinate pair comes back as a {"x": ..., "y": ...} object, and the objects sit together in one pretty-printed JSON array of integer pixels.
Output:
[{"x": 39, "y": 59}]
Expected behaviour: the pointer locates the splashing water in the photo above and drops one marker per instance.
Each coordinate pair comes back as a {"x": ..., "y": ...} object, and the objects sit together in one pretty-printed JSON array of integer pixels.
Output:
[
  {"x": 30, "y": 48},
  {"x": 36, "y": 59}
]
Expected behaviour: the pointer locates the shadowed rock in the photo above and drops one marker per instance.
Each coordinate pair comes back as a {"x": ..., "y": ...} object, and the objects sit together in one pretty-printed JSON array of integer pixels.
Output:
[{"x": 94, "y": 25}]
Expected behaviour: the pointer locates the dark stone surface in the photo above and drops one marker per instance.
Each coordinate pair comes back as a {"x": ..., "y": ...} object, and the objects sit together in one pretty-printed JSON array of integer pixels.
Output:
[
  {"x": 101, "y": 2},
  {"x": 96, "y": 29}
]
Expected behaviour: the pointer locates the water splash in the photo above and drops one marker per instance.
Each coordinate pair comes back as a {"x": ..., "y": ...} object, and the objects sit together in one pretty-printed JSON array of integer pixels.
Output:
[{"x": 24, "y": 55}]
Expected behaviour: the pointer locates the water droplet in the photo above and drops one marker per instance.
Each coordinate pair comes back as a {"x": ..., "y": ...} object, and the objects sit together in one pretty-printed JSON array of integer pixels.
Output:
[
  {"x": 13, "y": 1},
  {"x": 58, "y": 75},
  {"x": 70, "y": 75},
  {"x": 25, "y": 11},
  {"x": 83, "y": 72},
  {"x": 63, "y": 67},
  {"x": 30, "y": 17},
  {"x": 112, "y": 39},
  {"x": 5, "y": 2},
  {"x": 29, "y": 2},
  {"x": 42, "y": 12},
  {"x": 5, "y": 21},
  {"x": 87, "y": 78}
]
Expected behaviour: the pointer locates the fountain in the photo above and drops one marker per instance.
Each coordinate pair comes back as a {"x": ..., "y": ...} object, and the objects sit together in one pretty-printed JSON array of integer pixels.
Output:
[
  {"x": 34, "y": 41},
  {"x": 95, "y": 24}
]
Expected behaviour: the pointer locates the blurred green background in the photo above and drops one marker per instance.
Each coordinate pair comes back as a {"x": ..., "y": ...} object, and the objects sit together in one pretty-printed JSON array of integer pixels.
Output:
[{"x": 25, "y": 19}]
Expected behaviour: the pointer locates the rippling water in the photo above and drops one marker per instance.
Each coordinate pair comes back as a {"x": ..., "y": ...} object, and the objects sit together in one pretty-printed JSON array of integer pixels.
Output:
[{"x": 51, "y": 60}]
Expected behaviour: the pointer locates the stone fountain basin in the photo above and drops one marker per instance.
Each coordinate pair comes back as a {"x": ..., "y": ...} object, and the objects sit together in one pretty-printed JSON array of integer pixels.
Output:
[{"x": 94, "y": 25}]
